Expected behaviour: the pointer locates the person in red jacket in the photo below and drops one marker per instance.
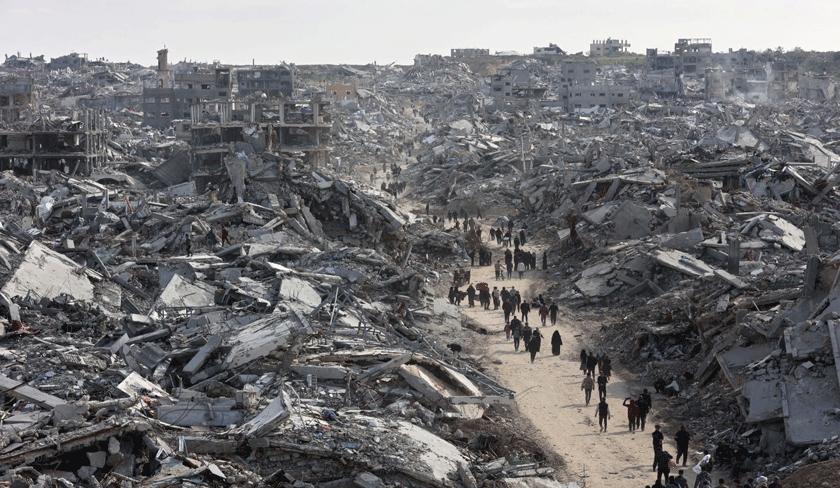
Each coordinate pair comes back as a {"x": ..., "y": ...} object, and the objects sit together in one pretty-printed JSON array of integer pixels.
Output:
[{"x": 633, "y": 413}]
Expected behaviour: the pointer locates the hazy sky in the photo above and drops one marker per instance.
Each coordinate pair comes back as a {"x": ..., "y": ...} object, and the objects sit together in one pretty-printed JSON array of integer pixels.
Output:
[{"x": 361, "y": 31}]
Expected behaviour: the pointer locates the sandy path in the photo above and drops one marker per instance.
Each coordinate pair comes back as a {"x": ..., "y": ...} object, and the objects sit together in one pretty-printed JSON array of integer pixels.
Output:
[{"x": 549, "y": 395}]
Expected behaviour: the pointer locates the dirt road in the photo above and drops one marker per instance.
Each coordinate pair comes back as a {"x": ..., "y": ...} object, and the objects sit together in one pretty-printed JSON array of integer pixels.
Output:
[{"x": 549, "y": 395}]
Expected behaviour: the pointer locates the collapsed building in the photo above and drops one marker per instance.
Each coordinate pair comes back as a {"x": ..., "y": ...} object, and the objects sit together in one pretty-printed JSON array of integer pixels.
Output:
[
  {"x": 75, "y": 145},
  {"x": 17, "y": 96}
]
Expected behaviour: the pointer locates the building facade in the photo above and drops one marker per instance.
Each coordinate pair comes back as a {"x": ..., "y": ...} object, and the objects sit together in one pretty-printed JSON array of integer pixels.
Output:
[
  {"x": 608, "y": 47},
  {"x": 16, "y": 95},
  {"x": 274, "y": 81}
]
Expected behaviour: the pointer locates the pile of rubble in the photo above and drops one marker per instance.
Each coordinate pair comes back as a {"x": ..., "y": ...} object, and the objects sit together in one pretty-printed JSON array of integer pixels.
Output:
[
  {"x": 182, "y": 340},
  {"x": 273, "y": 325},
  {"x": 714, "y": 224}
]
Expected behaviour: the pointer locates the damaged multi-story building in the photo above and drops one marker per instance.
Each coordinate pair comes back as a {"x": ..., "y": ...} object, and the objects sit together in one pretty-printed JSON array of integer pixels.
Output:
[
  {"x": 225, "y": 133},
  {"x": 692, "y": 56},
  {"x": 608, "y": 47},
  {"x": 516, "y": 82},
  {"x": 74, "y": 145},
  {"x": 819, "y": 88},
  {"x": 170, "y": 96},
  {"x": 582, "y": 88},
  {"x": 17, "y": 94},
  {"x": 272, "y": 81}
]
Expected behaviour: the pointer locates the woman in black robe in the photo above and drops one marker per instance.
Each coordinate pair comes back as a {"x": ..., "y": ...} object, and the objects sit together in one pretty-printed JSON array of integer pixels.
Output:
[{"x": 556, "y": 342}]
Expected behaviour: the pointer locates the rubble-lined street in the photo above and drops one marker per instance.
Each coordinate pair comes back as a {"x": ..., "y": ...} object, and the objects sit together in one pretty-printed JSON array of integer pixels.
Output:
[{"x": 225, "y": 273}]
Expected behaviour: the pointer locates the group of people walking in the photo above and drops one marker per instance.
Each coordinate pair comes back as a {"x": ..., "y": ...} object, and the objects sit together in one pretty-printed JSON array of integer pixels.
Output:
[{"x": 519, "y": 328}]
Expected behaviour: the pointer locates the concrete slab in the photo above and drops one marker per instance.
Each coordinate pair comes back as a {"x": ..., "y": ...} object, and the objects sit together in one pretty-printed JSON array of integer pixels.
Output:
[
  {"x": 763, "y": 400},
  {"x": 180, "y": 293},
  {"x": 809, "y": 403},
  {"x": 46, "y": 273},
  {"x": 807, "y": 339}
]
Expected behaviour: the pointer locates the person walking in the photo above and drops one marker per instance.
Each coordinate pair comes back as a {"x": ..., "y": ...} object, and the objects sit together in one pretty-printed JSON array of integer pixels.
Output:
[
  {"x": 663, "y": 465},
  {"x": 591, "y": 363},
  {"x": 507, "y": 308},
  {"x": 632, "y": 413},
  {"x": 516, "y": 332},
  {"x": 643, "y": 402},
  {"x": 526, "y": 336},
  {"x": 556, "y": 342},
  {"x": 525, "y": 309},
  {"x": 509, "y": 269},
  {"x": 188, "y": 243},
  {"x": 583, "y": 361},
  {"x": 535, "y": 343},
  {"x": 517, "y": 299},
  {"x": 552, "y": 313},
  {"x": 602, "y": 411},
  {"x": 602, "y": 385},
  {"x": 658, "y": 437},
  {"x": 520, "y": 268},
  {"x": 499, "y": 274},
  {"x": 543, "y": 314},
  {"x": 587, "y": 385},
  {"x": 545, "y": 260},
  {"x": 682, "y": 438},
  {"x": 471, "y": 295},
  {"x": 484, "y": 295},
  {"x": 496, "y": 298}
]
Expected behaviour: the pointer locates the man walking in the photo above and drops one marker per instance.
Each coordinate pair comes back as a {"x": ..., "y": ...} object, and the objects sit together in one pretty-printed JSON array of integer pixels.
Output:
[
  {"x": 602, "y": 385},
  {"x": 658, "y": 437},
  {"x": 663, "y": 465},
  {"x": 495, "y": 298},
  {"x": 524, "y": 309},
  {"x": 534, "y": 344},
  {"x": 552, "y": 313},
  {"x": 507, "y": 308},
  {"x": 602, "y": 411},
  {"x": 471, "y": 295},
  {"x": 516, "y": 331},
  {"x": 632, "y": 413},
  {"x": 587, "y": 386},
  {"x": 645, "y": 402},
  {"x": 682, "y": 437}
]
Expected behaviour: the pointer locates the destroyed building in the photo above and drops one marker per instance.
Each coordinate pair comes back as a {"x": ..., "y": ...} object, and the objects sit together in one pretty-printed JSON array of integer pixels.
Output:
[
  {"x": 170, "y": 95},
  {"x": 273, "y": 81},
  {"x": 75, "y": 145},
  {"x": 550, "y": 50},
  {"x": 608, "y": 47},
  {"x": 516, "y": 81},
  {"x": 692, "y": 56},
  {"x": 17, "y": 95}
]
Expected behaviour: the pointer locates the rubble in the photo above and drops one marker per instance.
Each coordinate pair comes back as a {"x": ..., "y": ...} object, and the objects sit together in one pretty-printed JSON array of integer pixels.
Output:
[{"x": 212, "y": 302}]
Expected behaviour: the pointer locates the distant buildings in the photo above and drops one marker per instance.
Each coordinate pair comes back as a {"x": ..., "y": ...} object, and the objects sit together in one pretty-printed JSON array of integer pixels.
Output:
[
  {"x": 692, "y": 56},
  {"x": 817, "y": 88},
  {"x": 550, "y": 50},
  {"x": 608, "y": 47},
  {"x": 517, "y": 82},
  {"x": 468, "y": 52},
  {"x": 273, "y": 81}
]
